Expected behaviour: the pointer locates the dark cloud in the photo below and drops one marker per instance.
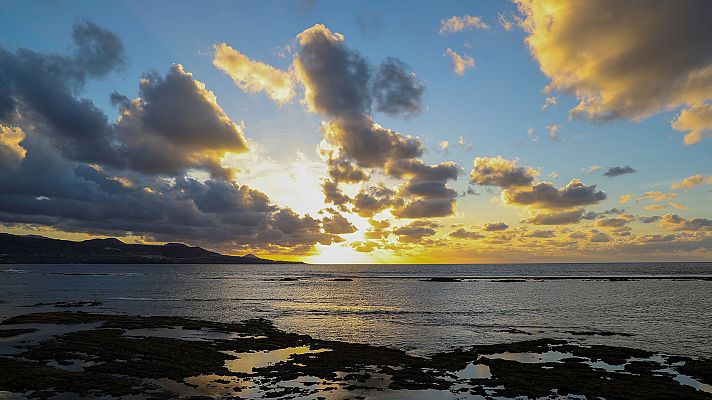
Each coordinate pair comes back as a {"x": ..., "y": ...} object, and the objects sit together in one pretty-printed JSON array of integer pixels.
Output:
[
  {"x": 341, "y": 84},
  {"x": 612, "y": 222},
  {"x": 650, "y": 219},
  {"x": 542, "y": 234},
  {"x": 678, "y": 223},
  {"x": 368, "y": 143},
  {"x": 76, "y": 172},
  {"x": 426, "y": 208},
  {"x": 337, "y": 224},
  {"x": 396, "y": 90},
  {"x": 557, "y": 217},
  {"x": 498, "y": 171},
  {"x": 462, "y": 233},
  {"x": 342, "y": 170},
  {"x": 373, "y": 199},
  {"x": 333, "y": 194},
  {"x": 176, "y": 124},
  {"x": 494, "y": 226},
  {"x": 415, "y": 231},
  {"x": 545, "y": 195},
  {"x": 98, "y": 51},
  {"x": 616, "y": 171}
]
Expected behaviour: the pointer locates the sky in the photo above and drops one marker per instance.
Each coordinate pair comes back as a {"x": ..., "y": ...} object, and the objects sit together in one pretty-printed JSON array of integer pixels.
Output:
[{"x": 363, "y": 131}]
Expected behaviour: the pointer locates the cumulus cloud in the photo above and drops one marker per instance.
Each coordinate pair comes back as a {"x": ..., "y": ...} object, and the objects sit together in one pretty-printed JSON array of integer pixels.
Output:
[
  {"x": 617, "y": 171},
  {"x": 396, "y": 90},
  {"x": 498, "y": 171},
  {"x": 462, "y": 233},
  {"x": 460, "y": 63},
  {"x": 254, "y": 76},
  {"x": 545, "y": 195},
  {"x": 77, "y": 172},
  {"x": 696, "y": 120},
  {"x": 176, "y": 124},
  {"x": 692, "y": 181},
  {"x": 556, "y": 217},
  {"x": 341, "y": 85},
  {"x": 494, "y": 226},
  {"x": 678, "y": 223},
  {"x": 462, "y": 23},
  {"x": 337, "y": 224},
  {"x": 650, "y": 219},
  {"x": 608, "y": 54},
  {"x": 415, "y": 231},
  {"x": 543, "y": 234}
]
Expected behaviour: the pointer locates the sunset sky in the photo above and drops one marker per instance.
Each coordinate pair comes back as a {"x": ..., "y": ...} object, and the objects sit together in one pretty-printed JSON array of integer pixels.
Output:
[{"x": 363, "y": 131}]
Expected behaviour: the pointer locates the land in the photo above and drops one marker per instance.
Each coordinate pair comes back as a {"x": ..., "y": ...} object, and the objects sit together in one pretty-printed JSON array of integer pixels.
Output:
[
  {"x": 92, "y": 355},
  {"x": 16, "y": 249}
]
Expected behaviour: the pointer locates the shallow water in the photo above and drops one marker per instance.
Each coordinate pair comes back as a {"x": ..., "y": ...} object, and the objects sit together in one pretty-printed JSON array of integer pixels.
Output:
[{"x": 666, "y": 306}]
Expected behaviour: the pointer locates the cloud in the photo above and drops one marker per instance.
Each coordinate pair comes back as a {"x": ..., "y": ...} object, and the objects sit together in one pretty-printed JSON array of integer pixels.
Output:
[
  {"x": 39, "y": 93},
  {"x": 544, "y": 234},
  {"x": 696, "y": 120},
  {"x": 176, "y": 124},
  {"x": 396, "y": 90},
  {"x": 415, "y": 231},
  {"x": 506, "y": 24},
  {"x": 679, "y": 206},
  {"x": 462, "y": 233},
  {"x": 616, "y": 171},
  {"x": 554, "y": 133},
  {"x": 494, "y": 226},
  {"x": 98, "y": 51},
  {"x": 254, "y": 76},
  {"x": 444, "y": 145},
  {"x": 498, "y": 171},
  {"x": 608, "y": 53},
  {"x": 612, "y": 222},
  {"x": 545, "y": 195},
  {"x": 337, "y": 224},
  {"x": 368, "y": 143},
  {"x": 657, "y": 196},
  {"x": 592, "y": 169},
  {"x": 459, "y": 24},
  {"x": 342, "y": 170},
  {"x": 650, "y": 219},
  {"x": 460, "y": 63},
  {"x": 678, "y": 223},
  {"x": 556, "y": 217},
  {"x": 655, "y": 207},
  {"x": 333, "y": 194},
  {"x": 11, "y": 150},
  {"x": 550, "y": 101},
  {"x": 692, "y": 181},
  {"x": 373, "y": 199},
  {"x": 341, "y": 85},
  {"x": 75, "y": 171},
  {"x": 625, "y": 198}
]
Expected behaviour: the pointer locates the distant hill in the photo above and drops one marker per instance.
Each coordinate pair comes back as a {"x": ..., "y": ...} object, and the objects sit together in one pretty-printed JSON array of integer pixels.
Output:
[{"x": 33, "y": 249}]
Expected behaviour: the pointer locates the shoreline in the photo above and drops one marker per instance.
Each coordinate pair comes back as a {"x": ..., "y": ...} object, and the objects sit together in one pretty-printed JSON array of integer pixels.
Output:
[{"x": 167, "y": 357}]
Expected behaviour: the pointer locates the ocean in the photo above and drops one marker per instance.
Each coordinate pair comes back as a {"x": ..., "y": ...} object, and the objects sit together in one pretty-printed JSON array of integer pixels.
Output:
[{"x": 661, "y": 307}]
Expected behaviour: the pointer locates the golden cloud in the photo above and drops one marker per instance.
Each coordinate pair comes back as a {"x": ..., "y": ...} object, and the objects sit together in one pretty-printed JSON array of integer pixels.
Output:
[
  {"x": 624, "y": 59},
  {"x": 254, "y": 76}
]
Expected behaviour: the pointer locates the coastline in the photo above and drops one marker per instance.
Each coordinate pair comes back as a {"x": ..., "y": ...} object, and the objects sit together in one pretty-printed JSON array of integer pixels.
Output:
[{"x": 89, "y": 354}]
